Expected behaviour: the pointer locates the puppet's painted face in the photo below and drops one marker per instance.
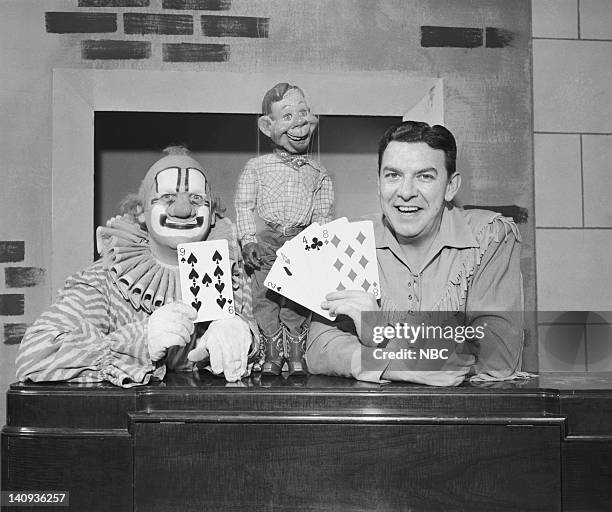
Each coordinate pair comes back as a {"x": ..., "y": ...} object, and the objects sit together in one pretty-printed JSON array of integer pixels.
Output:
[
  {"x": 291, "y": 124},
  {"x": 177, "y": 206}
]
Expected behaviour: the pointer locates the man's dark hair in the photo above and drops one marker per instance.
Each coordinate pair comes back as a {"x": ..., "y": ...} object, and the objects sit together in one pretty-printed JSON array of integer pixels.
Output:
[
  {"x": 436, "y": 137},
  {"x": 275, "y": 94}
]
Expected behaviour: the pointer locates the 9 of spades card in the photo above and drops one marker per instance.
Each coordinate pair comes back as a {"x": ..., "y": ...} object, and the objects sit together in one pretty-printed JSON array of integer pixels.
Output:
[{"x": 206, "y": 279}]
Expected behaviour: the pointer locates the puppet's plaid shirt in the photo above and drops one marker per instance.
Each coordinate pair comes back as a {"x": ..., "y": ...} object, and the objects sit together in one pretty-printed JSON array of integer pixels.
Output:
[{"x": 289, "y": 190}]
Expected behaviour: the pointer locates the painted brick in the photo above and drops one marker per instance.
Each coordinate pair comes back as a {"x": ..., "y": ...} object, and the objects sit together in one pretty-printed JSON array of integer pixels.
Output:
[
  {"x": 596, "y": 158},
  {"x": 599, "y": 347},
  {"x": 554, "y": 18},
  {"x": 142, "y": 23},
  {"x": 13, "y": 333},
  {"x": 11, "y": 251},
  {"x": 11, "y": 304},
  {"x": 498, "y": 37},
  {"x": 557, "y": 175},
  {"x": 571, "y": 86},
  {"x": 574, "y": 269},
  {"x": 204, "y": 5},
  {"x": 189, "y": 52},
  {"x": 234, "y": 26},
  {"x": 561, "y": 348},
  {"x": 518, "y": 214},
  {"x": 105, "y": 49},
  {"x": 451, "y": 37},
  {"x": 114, "y": 3},
  {"x": 596, "y": 19},
  {"x": 23, "y": 277},
  {"x": 80, "y": 22}
]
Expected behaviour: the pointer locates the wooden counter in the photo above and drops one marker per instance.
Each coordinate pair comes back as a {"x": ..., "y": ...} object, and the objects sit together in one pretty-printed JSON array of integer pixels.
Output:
[{"x": 194, "y": 442}]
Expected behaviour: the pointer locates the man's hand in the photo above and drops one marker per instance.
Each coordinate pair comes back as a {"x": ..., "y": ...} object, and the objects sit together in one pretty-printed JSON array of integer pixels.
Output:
[
  {"x": 170, "y": 325},
  {"x": 227, "y": 341},
  {"x": 252, "y": 254},
  {"x": 350, "y": 303}
]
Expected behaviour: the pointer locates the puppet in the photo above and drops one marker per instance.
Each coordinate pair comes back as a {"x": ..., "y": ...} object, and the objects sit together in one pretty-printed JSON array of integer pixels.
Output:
[{"x": 278, "y": 195}]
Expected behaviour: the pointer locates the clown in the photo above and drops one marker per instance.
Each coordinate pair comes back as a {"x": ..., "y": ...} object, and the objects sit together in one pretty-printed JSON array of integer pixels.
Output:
[
  {"x": 121, "y": 319},
  {"x": 279, "y": 195}
]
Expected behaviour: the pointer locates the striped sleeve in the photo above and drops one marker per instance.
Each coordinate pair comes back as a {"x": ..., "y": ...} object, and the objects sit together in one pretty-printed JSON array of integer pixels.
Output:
[{"x": 87, "y": 335}]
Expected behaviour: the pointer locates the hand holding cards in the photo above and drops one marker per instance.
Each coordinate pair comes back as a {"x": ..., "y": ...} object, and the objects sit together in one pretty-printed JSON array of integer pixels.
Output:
[
  {"x": 339, "y": 255},
  {"x": 206, "y": 279}
]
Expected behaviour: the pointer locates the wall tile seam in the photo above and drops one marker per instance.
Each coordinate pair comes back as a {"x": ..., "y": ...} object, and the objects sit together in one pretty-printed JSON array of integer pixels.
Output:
[
  {"x": 586, "y": 40},
  {"x": 548, "y": 324},
  {"x": 582, "y": 181},
  {"x": 576, "y": 228},
  {"x": 571, "y": 133}
]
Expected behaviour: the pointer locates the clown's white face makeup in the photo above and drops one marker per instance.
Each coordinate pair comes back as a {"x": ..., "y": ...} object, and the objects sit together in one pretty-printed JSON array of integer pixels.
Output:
[{"x": 177, "y": 209}]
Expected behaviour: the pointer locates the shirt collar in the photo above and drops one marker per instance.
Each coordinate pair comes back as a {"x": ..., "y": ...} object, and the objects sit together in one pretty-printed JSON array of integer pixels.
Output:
[
  {"x": 454, "y": 232},
  {"x": 296, "y": 161}
]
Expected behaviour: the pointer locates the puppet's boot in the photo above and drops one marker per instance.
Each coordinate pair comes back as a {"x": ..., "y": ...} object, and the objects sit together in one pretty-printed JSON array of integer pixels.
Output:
[
  {"x": 295, "y": 347},
  {"x": 273, "y": 352}
]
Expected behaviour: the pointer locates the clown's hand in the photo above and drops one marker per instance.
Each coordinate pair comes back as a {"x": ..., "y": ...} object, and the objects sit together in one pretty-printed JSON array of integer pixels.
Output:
[
  {"x": 170, "y": 325},
  {"x": 227, "y": 341},
  {"x": 252, "y": 254}
]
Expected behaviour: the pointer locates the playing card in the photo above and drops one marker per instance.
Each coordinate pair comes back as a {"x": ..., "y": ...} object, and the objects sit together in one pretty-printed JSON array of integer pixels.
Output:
[
  {"x": 282, "y": 276},
  {"x": 354, "y": 263},
  {"x": 206, "y": 279},
  {"x": 301, "y": 271}
]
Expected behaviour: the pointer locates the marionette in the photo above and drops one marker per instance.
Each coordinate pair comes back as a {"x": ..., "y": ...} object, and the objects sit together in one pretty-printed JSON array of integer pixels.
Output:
[{"x": 278, "y": 195}]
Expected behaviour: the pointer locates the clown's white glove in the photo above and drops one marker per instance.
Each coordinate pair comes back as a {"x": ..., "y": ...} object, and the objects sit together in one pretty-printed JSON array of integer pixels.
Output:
[
  {"x": 227, "y": 341},
  {"x": 170, "y": 325}
]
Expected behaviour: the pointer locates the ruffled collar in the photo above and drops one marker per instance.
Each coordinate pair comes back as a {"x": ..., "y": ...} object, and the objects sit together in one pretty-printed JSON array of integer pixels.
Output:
[{"x": 126, "y": 254}]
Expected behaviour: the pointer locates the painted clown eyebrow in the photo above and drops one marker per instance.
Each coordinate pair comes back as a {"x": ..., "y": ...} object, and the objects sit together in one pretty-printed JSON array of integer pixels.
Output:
[
  {"x": 182, "y": 178},
  {"x": 178, "y": 179}
]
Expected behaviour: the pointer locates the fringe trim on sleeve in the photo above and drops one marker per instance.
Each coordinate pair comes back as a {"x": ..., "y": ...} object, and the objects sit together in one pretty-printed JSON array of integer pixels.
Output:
[{"x": 496, "y": 229}]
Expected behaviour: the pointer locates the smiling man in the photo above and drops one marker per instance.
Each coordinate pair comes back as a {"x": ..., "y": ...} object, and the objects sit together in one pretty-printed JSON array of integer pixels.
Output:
[
  {"x": 121, "y": 319},
  {"x": 433, "y": 257}
]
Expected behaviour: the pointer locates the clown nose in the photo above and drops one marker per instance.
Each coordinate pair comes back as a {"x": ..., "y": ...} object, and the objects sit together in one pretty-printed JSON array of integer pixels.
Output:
[{"x": 181, "y": 208}]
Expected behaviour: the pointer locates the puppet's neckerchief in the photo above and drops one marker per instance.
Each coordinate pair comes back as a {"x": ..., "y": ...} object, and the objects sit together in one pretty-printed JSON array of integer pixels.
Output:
[
  {"x": 126, "y": 254},
  {"x": 297, "y": 161}
]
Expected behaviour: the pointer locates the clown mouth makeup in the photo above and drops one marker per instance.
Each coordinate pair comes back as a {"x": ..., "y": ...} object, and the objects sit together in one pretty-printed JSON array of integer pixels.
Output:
[{"x": 181, "y": 224}]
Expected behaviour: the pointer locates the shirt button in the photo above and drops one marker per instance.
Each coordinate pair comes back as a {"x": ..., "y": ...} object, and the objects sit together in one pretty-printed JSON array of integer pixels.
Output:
[{"x": 409, "y": 283}]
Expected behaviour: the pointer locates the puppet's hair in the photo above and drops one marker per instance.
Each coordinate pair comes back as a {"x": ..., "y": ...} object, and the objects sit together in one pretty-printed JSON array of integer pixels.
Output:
[{"x": 275, "y": 94}]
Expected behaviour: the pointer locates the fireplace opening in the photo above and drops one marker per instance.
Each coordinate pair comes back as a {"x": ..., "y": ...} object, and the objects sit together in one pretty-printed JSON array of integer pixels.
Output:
[{"x": 126, "y": 144}]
